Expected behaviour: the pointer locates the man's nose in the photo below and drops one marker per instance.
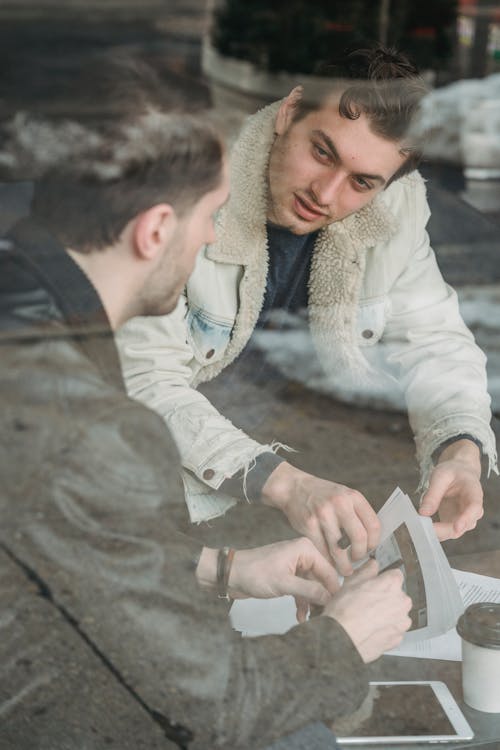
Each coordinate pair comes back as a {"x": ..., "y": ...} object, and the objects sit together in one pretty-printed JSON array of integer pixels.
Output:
[{"x": 327, "y": 187}]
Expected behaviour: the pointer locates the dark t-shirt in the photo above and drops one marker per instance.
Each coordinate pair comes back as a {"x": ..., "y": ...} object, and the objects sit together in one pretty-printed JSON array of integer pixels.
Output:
[
  {"x": 287, "y": 290},
  {"x": 288, "y": 272}
]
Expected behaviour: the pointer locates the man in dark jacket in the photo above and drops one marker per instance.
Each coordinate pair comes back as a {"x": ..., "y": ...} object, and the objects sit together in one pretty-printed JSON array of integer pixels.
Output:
[{"x": 89, "y": 476}]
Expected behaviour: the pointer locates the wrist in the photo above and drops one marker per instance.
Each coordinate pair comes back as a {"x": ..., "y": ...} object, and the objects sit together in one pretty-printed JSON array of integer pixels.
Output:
[
  {"x": 215, "y": 570},
  {"x": 465, "y": 451},
  {"x": 281, "y": 484},
  {"x": 206, "y": 571},
  {"x": 225, "y": 558}
]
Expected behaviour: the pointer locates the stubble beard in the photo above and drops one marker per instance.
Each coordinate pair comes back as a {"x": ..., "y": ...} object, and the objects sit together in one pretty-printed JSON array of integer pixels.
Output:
[
  {"x": 161, "y": 293},
  {"x": 273, "y": 217}
]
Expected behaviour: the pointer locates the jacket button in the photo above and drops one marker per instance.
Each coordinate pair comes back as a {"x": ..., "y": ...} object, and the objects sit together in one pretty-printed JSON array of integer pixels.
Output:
[
  {"x": 367, "y": 334},
  {"x": 210, "y": 353},
  {"x": 208, "y": 474}
]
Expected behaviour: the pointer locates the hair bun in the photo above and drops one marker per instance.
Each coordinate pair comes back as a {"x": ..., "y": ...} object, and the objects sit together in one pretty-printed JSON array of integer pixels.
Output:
[{"x": 387, "y": 62}]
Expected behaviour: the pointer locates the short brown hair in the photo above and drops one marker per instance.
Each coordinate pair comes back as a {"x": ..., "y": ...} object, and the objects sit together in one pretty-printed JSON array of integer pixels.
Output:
[
  {"x": 130, "y": 152},
  {"x": 384, "y": 85}
]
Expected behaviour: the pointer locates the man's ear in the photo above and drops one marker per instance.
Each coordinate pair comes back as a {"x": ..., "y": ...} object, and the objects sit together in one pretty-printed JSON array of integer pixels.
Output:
[
  {"x": 153, "y": 230},
  {"x": 287, "y": 110}
]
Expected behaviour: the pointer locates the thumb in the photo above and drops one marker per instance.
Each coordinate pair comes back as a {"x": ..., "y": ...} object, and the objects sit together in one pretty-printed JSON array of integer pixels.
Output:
[
  {"x": 314, "y": 566},
  {"x": 365, "y": 572},
  {"x": 302, "y": 607},
  {"x": 437, "y": 488}
]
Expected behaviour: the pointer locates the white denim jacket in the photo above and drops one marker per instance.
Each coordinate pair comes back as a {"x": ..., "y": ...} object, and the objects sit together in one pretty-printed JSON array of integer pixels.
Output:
[{"x": 374, "y": 278}]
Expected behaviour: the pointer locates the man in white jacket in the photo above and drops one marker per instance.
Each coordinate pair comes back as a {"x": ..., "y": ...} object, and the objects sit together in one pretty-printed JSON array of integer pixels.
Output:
[{"x": 326, "y": 212}]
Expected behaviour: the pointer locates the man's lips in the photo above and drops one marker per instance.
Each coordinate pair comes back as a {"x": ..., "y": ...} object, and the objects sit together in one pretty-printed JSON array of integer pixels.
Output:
[{"x": 306, "y": 210}]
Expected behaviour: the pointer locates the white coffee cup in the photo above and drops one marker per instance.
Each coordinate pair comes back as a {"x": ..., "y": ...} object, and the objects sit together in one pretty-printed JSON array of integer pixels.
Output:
[{"x": 479, "y": 628}]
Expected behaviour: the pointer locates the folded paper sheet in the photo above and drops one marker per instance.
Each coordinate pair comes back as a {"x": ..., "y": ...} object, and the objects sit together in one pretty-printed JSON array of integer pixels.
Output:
[{"x": 439, "y": 594}]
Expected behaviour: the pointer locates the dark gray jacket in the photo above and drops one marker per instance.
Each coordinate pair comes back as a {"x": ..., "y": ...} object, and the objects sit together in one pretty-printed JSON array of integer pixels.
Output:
[{"x": 89, "y": 481}]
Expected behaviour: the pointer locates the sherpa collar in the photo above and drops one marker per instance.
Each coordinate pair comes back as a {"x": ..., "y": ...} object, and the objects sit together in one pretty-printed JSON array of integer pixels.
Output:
[
  {"x": 338, "y": 261},
  {"x": 242, "y": 222}
]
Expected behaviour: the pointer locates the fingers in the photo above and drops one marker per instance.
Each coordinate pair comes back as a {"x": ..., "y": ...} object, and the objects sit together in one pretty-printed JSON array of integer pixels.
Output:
[
  {"x": 468, "y": 518},
  {"x": 314, "y": 565},
  {"x": 314, "y": 532},
  {"x": 370, "y": 521},
  {"x": 302, "y": 607},
  {"x": 391, "y": 579},
  {"x": 324, "y": 533},
  {"x": 309, "y": 591},
  {"x": 462, "y": 524},
  {"x": 466, "y": 522},
  {"x": 358, "y": 537},
  {"x": 324, "y": 510},
  {"x": 366, "y": 572},
  {"x": 438, "y": 486},
  {"x": 359, "y": 521},
  {"x": 443, "y": 531},
  {"x": 348, "y": 511},
  {"x": 451, "y": 530},
  {"x": 341, "y": 560},
  {"x": 374, "y": 613},
  {"x": 457, "y": 517}
]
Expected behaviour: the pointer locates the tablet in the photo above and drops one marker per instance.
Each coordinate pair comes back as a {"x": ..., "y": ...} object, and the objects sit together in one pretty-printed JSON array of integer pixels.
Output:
[{"x": 408, "y": 712}]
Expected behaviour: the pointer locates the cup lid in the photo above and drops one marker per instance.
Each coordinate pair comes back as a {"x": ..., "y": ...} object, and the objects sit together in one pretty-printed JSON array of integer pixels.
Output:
[{"x": 480, "y": 624}]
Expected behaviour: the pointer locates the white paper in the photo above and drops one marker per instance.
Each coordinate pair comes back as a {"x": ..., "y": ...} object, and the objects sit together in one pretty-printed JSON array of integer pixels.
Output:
[
  {"x": 253, "y": 617},
  {"x": 473, "y": 588},
  {"x": 440, "y": 595},
  {"x": 408, "y": 541}
]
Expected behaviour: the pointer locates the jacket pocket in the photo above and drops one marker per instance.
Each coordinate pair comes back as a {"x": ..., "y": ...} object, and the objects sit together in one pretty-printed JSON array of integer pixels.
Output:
[
  {"x": 208, "y": 336},
  {"x": 371, "y": 321}
]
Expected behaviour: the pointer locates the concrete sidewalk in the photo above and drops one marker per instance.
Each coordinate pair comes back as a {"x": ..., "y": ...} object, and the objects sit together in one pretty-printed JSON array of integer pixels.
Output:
[{"x": 70, "y": 696}]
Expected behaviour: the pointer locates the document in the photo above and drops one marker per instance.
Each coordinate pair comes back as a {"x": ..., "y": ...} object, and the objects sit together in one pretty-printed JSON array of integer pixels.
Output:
[
  {"x": 408, "y": 542},
  {"x": 439, "y": 594},
  {"x": 473, "y": 588}
]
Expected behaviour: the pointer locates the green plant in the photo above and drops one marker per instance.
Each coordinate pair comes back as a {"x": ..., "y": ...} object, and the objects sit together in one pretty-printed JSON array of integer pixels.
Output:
[{"x": 299, "y": 36}]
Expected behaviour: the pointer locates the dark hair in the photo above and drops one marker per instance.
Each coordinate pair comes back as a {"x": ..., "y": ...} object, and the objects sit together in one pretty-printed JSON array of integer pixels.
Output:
[
  {"x": 384, "y": 85},
  {"x": 130, "y": 150}
]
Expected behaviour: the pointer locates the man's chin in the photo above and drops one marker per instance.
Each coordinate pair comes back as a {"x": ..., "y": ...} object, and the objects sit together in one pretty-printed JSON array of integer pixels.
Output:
[
  {"x": 165, "y": 307},
  {"x": 298, "y": 225},
  {"x": 301, "y": 227}
]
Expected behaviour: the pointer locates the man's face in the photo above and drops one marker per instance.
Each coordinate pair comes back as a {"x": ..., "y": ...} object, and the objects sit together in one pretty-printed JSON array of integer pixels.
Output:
[
  {"x": 324, "y": 167},
  {"x": 195, "y": 229}
]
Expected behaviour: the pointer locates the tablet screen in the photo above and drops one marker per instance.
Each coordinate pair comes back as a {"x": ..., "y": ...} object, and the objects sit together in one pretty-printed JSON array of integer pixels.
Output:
[{"x": 405, "y": 710}]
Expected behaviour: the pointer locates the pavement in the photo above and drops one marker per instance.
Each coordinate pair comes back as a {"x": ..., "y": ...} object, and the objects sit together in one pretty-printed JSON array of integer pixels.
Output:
[
  {"x": 67, "y": 690},
  {"x": 63, "y": 678}
]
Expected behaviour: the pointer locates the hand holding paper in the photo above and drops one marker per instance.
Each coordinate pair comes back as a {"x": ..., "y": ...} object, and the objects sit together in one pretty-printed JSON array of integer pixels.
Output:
[
  {"x": 455, "y": 491},
  {"x": 293, "y": 567},
  {"x": 409, "y": 544},
  {"x": 380, "y": 595}
]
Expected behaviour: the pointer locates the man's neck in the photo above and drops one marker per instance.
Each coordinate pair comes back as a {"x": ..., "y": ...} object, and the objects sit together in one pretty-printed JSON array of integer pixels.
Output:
[
  {"x": 108, "y": 273},
  {"x": 280, "y": 228}
]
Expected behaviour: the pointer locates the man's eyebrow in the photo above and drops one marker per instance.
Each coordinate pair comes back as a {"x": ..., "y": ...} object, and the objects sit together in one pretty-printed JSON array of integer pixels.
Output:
[{"x": 331, "y": 147}]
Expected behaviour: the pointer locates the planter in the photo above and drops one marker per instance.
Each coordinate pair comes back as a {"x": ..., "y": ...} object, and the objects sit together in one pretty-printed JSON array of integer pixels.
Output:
[
  {"x": 239, "y": 88},
  {"x": 239, "y": 85}
]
